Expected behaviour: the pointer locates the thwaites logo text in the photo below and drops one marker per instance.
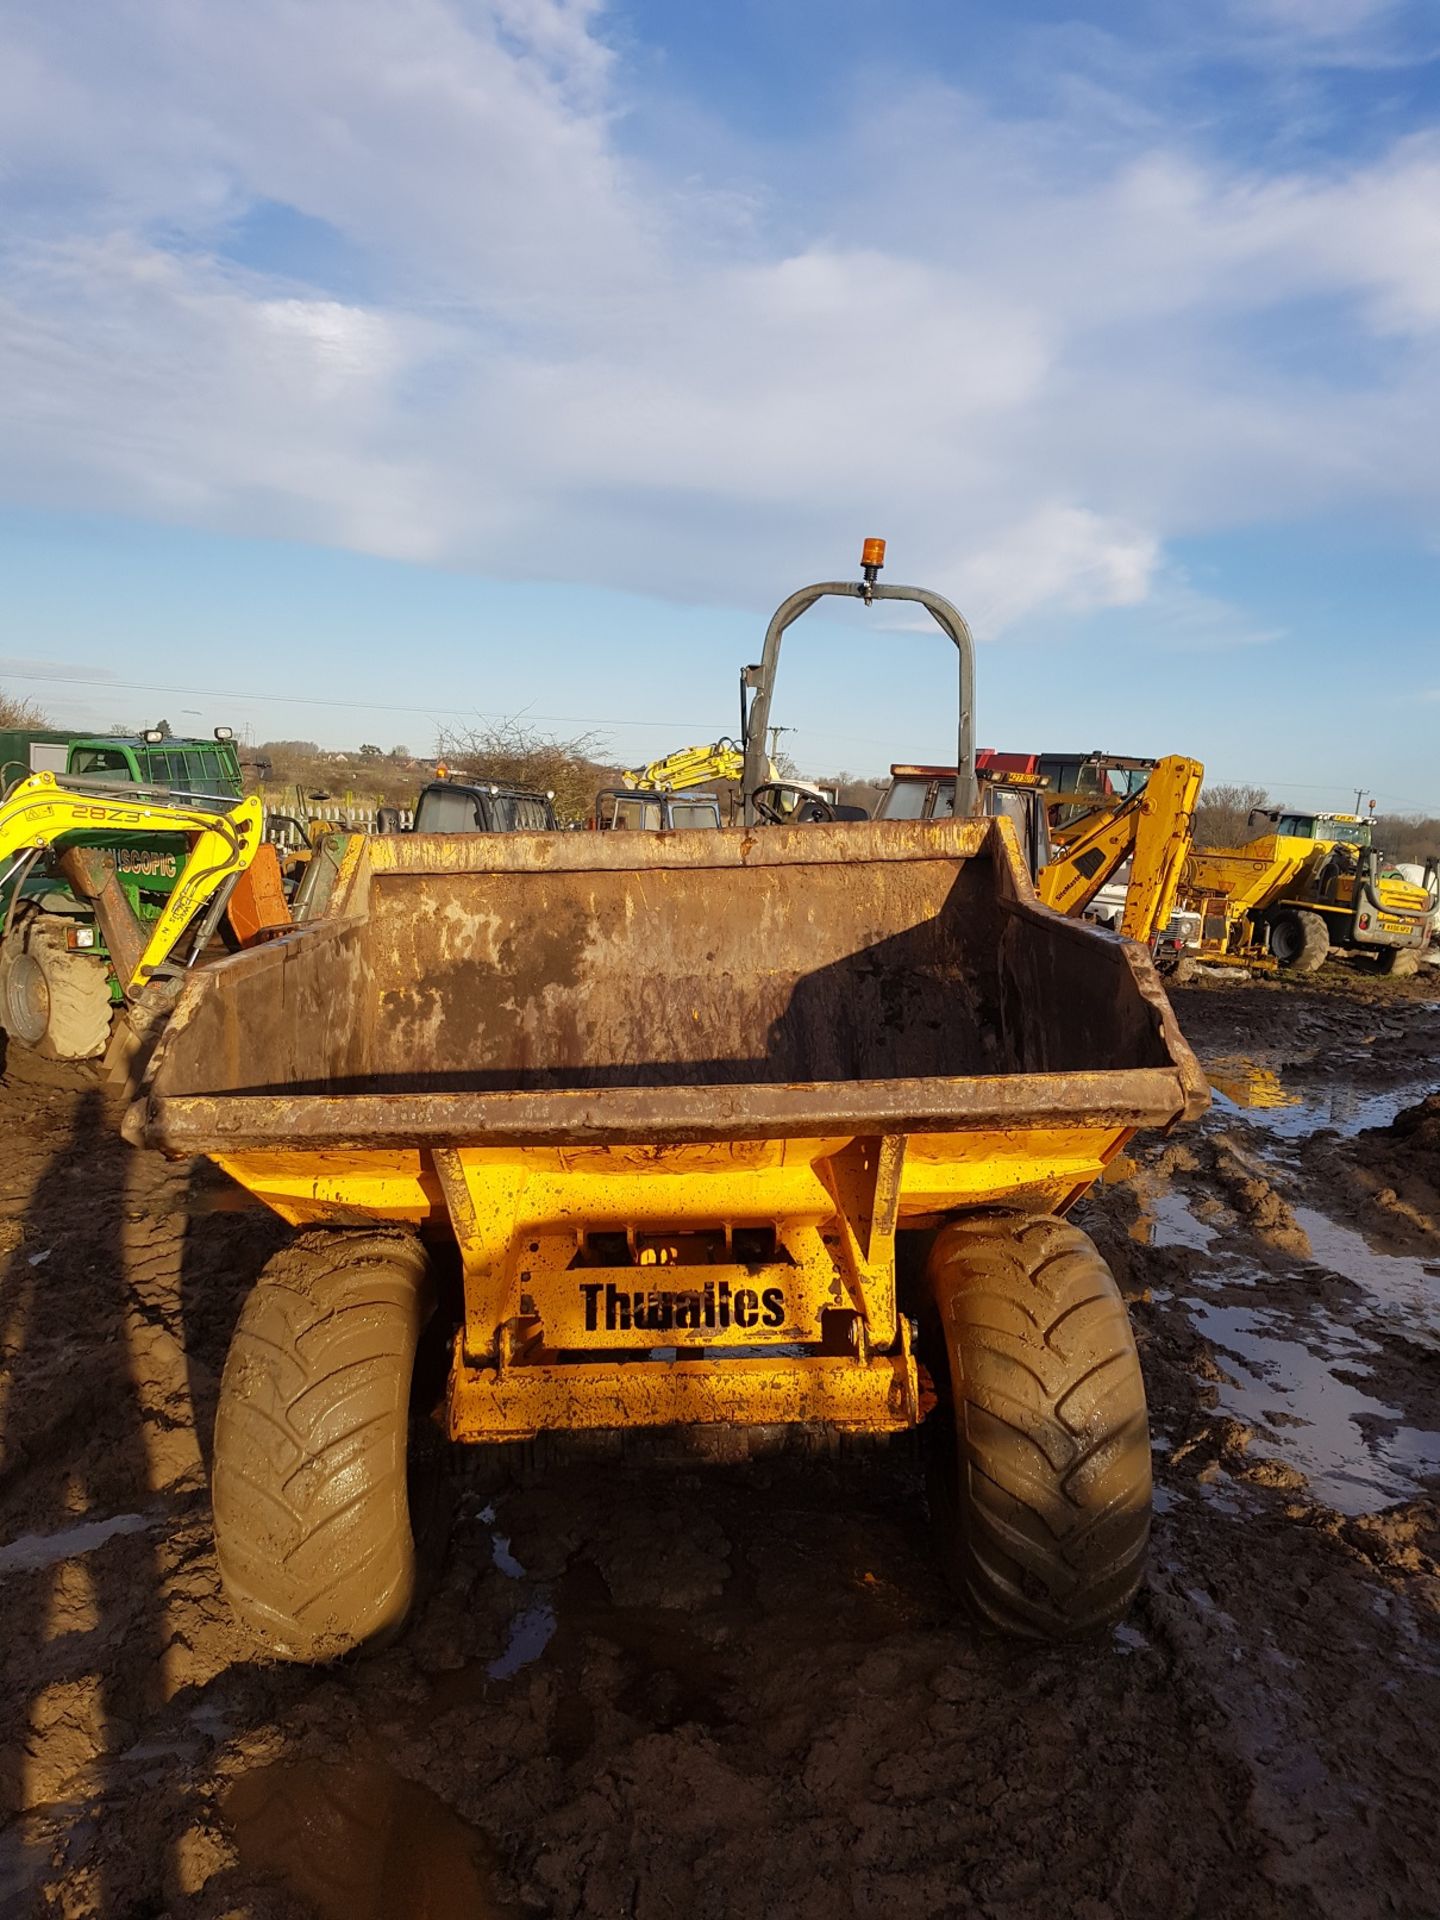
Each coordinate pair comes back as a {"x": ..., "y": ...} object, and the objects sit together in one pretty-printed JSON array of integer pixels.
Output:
[{"x": 714, "y": 1307}]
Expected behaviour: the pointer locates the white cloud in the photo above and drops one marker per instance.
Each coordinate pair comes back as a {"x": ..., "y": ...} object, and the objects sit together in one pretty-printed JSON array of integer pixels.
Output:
[
  {"x": 1324, "y": 19},
  {"x": 1060, "y": 556},
  {"x": 138, "y": 382},
  {"x": 1032, "y": 361}
]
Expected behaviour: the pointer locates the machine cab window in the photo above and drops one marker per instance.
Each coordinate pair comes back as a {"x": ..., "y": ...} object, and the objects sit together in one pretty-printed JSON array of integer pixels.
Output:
[
  {"x": 695, "y": 813},
  {"x": 449, "y": 810},
  {"x": 105, "y": 763}
]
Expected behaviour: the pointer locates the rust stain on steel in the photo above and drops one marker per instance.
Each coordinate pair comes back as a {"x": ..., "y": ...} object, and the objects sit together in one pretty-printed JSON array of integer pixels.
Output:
[
  {"x": 880, "y": 1395},
  {"x": 875, "y": 979},
  {"x": 678, "y": 1115},
  {"x": 820, "y": 844}
]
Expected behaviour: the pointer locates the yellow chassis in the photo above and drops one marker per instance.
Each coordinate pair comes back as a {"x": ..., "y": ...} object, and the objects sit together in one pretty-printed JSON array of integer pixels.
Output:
[{"x": 773, "y": 1259}]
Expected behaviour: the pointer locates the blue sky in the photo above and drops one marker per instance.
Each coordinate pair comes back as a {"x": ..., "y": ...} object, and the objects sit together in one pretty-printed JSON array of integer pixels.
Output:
[{"x": 368, "y": 366}]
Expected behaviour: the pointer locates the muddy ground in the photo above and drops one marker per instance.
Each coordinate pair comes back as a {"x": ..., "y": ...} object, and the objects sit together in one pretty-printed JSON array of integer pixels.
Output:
[{"x": 658, "y": 1687}]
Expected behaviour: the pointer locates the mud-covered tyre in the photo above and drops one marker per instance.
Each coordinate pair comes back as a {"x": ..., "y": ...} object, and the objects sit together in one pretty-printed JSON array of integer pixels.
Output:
[
  {"x": 54, "y": 1001},
  {"x": 1300, "y": 941},
  {"x": 1040, "y": 1443},
  {"x": 1401, "y": 963},
  {"x": 314, "y": 1480}
]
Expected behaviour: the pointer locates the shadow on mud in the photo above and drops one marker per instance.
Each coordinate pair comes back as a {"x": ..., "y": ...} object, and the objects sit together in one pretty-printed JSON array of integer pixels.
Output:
[
  {"x": 228, "y": 1238},
  {"x": 106, "y": 1708},
  {"x": 356, "y": 1841},
  {"x": 84, "y": 1616}
]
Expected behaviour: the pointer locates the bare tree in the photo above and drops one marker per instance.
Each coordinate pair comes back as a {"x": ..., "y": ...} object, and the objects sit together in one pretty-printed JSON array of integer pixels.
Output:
[
  {"x": 18, "y": 713},
  {"x": 856, "y": 789},
  {"x": 1408, "y": 837},
  {"x": 509, "y": 753},
  {"x": 1222, "y": 817},
  {"x": 1222, "y": 820}
]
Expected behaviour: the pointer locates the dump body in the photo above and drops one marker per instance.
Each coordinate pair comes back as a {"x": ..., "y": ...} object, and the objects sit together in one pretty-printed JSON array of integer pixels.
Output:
[
  {"x": 1240, "y": 891},
  {"x": 737, "y": 1063}
]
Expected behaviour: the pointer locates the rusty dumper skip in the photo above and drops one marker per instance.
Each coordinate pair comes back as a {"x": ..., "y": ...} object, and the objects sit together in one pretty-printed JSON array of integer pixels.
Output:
[{"x": 715, "y": 1120}]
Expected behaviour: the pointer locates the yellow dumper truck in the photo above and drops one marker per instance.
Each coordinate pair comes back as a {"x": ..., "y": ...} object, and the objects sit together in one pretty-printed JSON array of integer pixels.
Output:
[
  {"x": 1305, "y": 884},
  {"x": 769, "y": 1126}
]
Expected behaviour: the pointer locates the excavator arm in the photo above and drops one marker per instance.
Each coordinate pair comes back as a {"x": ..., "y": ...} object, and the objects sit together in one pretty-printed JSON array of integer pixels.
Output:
[
  {"x": 41, "y": 812},
  {"x": 1152, "y": 829},
  {"x": 688, "y": 767}
]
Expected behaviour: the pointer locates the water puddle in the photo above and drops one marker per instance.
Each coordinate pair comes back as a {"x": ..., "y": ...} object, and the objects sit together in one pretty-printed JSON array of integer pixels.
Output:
[
  {"x": 504, "y": 1559},
  {"x": 205, "y": 1726},
  {"x": 32, "y": 1551},
  {"x": 1254, "y": 1093},
  {"x": 530, "y": 1632},
  {"x": 1167, "y": 1220},
  {"x": 356, "y": 1841},
  {"x": 532, "y": 1628},
  {"x": 1129, "y": 1640},
  {"x": 1400, "y": 1284},
  {"x": 1330, "y": 1431},
  {"x": 1243, "y": 1082}
]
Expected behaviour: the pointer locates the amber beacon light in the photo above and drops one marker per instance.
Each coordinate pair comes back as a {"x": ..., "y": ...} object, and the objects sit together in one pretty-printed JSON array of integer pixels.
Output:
[{"x": 872, "y": 559}]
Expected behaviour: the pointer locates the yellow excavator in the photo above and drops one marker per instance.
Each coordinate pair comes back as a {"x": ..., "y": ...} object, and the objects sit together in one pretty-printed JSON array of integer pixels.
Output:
[
  {"x": 1152, "y": 829},
  {"x": 783, "y": 800},
  {"x": 688, "y": 767},
  {"x": 74, "y": 941}
]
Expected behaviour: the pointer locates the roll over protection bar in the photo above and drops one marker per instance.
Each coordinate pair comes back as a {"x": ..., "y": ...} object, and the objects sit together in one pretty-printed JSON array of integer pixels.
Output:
[
  {"x": 1367, "y": 885},
  {"x": 945, "y": 616}
]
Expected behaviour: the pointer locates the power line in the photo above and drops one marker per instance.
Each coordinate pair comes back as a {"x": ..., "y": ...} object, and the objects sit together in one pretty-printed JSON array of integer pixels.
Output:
[
  {"x": 1330, "y": 786},
  {"x": 313, "y": 700},
  {"x": 437, "y": 718}
]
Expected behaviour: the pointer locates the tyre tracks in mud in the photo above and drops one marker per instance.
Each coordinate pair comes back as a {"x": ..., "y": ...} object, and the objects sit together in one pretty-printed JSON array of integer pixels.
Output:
[
  {"x": 1295, "y": 1370},
  {"x": 654, "y": 1685}
]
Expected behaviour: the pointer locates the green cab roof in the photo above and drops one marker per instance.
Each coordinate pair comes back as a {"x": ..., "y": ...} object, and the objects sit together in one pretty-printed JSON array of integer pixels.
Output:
[{"x": 138, "y": 741}]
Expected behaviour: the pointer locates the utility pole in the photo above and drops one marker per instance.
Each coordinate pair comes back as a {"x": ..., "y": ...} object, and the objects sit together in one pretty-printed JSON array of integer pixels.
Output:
[
  {"x": 775, "y": 733},
  {"x": 1360, "y": 793}
]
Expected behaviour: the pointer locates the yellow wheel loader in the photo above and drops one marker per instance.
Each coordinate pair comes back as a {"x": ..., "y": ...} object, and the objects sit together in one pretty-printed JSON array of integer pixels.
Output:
[
  {"x": 728, "y": 1129},
  {"x": 74, "y": 947}
]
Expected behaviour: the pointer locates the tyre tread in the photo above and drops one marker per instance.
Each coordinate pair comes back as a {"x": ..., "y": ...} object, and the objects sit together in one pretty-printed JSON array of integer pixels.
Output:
[
  {"x": 79, "y": 991},
  {"x": 1049, "y": 1423},
  {"x": 311, "y": 1515}
]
